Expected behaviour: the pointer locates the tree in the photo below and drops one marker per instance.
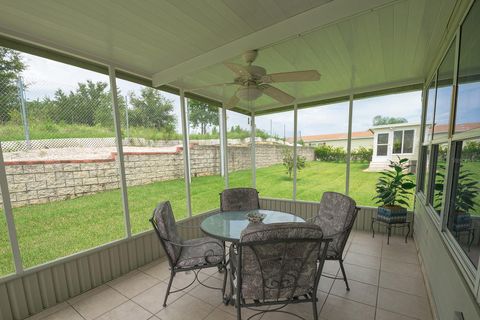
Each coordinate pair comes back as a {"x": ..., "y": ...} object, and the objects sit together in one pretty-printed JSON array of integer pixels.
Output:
[
  {"x": 11, "y": 65},
  {"x": 89, "y": 104},
  {"x": 381, "y": 120},
  {"x": 151, "y": 109},
  {"x": 287, "y": 155},
  {"x": 202, "y": 115}
]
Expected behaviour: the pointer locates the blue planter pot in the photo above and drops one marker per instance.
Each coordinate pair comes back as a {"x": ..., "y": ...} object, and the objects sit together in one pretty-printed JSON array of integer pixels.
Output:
[{"x": 392, "y": 214}]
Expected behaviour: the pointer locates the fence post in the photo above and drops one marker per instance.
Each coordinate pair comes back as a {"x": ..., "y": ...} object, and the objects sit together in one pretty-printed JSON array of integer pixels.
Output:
[
  {"x": 295, "y": 127},
  {"x": 225, "y": 144},
  {"x": 126, "y": 117},
  {"x": 222, "y": 142},
  {"x": 7, "y": 209},
  {"x": 349, "y": 145},
  {"x": 186, "y": 152},
  {"x": 23, "y": 105},
  {"x": 253, "y": 150},
  {"x": 120, "y": 159}
]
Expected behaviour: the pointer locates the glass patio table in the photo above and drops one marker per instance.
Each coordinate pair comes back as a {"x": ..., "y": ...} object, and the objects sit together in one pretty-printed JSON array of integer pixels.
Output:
[{"x": 228, "y": 225}]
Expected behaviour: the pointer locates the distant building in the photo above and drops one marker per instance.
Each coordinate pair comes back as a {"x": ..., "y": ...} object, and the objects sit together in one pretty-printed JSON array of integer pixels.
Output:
[
  {"x": 359, "y": 139},
  {"x": 394, "y": 140},
  {"x": 387, "y": 141}
]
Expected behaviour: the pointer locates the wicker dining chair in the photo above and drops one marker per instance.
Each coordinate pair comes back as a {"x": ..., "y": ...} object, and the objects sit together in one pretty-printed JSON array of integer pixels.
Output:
[
  {"x": 277, "y": 264},
  {"x": 336, "y": 216},
  {"x": 186, "y": 255},
  {"x": 239, "y": 199}
]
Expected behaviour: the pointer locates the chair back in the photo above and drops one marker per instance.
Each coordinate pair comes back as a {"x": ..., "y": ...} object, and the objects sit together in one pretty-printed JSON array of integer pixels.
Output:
[
  {"x": 163, "y": 222},
  {"x": 336, "y": 216},
  {"x": 239, "y": 199},
  {"x": 279, "y": 260}
]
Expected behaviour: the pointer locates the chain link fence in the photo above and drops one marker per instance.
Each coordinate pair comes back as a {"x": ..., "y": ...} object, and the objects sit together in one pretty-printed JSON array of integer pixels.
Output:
[{"x": 34, "y": 117}]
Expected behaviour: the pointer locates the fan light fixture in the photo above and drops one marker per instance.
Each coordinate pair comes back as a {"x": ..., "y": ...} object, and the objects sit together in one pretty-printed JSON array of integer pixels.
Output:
[{"x": 249, "y": 93}]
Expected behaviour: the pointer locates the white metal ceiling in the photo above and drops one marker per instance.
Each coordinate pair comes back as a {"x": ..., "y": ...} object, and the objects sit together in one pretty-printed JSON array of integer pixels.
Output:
[{"x": 356, "y": 45}]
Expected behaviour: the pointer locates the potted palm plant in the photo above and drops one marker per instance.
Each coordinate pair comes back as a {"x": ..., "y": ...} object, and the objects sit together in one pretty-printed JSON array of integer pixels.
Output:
[
  {"x": 466, "y": 191},
  {"x": 393, "y": 190}
]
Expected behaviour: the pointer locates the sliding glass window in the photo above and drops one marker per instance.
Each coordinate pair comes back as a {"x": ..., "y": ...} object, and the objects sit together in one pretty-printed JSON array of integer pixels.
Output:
[
  {"x": 59, "y": 146},
  {"x": 205, "y": 156},
  {"x": 239, "y": 149},
  {"x": 153, "y": 151},
  {"x": 463, "y": 211},
  {"x": 274, "y": 155},
  {"x": 322, "y": 133},
  {"x": 384, "y": 129}
]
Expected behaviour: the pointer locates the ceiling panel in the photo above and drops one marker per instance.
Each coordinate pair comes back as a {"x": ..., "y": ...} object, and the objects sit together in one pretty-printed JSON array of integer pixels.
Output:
[
  {"x": 142, "y": 36},
  {"x": 378, "y": 43},
  {"x": 389, "y": 45}
]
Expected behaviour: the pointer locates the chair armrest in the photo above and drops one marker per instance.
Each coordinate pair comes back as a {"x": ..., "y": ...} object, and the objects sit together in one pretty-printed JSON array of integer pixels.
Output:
[
  {"x": 188, "y": 227},
  {"x": 192, "y": 245}
]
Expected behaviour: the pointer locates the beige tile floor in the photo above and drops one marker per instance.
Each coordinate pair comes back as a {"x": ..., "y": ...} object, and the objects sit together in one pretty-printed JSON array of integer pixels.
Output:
[{"x": 386, "y": 284}]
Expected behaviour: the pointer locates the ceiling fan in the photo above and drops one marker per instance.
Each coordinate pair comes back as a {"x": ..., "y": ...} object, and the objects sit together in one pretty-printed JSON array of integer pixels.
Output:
[{"x": 253, "y": 81}]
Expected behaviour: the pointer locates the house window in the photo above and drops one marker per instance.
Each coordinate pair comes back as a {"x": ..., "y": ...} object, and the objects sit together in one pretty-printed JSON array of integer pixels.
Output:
[
  {"x": 464, "y": 209},
  {"x": 397, "y": 141},
  {"x": 444, "y": 95},
  {"x": 438, "y": 174},
  {"x": 408, "y": 136},
  {"x": 423, "y": 168},
  {"x": 402, "y": 141},
  {"x": 463, "y": 221},
  {"x": 382, "y": 144},
  {"x": 431, "y": 95}
]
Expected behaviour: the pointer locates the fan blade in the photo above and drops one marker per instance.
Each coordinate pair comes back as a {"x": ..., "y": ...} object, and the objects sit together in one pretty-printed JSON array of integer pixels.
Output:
[
  {"x": 232, "y": 102},
  {"x": 277, "y": 94},
  {"x": 237, "y": 69},
  {"x": 211, "y": 85},
  {"x": 294, "y": 76}
]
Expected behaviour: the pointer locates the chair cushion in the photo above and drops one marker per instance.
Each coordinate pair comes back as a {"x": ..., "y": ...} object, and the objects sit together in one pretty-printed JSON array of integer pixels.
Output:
[
  {"x": 209, "y": 253},
  {"x": 239, "y": 199},
  {"x": 167, "y": 228},
  {"x": 279, "y": 260},
  {"x": 336, "y": 213}
]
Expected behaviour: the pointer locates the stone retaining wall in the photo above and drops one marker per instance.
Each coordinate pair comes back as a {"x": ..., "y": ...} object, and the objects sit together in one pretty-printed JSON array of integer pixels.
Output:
[{"x": 33, "y": 182}]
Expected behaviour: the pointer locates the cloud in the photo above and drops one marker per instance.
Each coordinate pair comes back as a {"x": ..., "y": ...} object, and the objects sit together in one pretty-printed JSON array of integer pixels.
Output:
[{"x": 44, "y": 77}]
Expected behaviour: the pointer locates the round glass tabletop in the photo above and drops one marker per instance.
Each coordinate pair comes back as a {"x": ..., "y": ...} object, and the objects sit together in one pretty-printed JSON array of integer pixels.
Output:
[{"x": 228, "y": 225}]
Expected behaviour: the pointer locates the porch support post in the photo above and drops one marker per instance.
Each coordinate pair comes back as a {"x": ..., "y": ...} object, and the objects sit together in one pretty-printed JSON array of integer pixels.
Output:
[
  {"x": 222, "y": 142},
  {"x": 295, "y": 138},
  {"x": 119, "y": 143},
  {"x": 223, "y": 132},
  {"x": 186, "y": 151},
  {"x": 252, "y": 150},
  {"x": 7, "y": 209},
  {"x": 349, "y": 145}
]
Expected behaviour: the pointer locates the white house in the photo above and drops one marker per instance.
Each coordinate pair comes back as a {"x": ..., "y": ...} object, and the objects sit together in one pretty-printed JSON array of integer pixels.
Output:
[{"x": 392, "y": 141}]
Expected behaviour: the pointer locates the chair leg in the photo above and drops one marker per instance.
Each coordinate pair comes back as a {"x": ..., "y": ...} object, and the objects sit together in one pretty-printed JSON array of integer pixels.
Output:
[
  {"x": 239, "y": 310},
  {"x": 172, "y": 275},
  {"x": 314, "y": 305},
  {"x": 344, "y": 274},
  {"x": 224, "y": 281}
]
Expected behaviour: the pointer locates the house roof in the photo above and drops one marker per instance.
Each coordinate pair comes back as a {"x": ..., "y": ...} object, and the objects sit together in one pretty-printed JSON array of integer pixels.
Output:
[
  {"x": 336, "y": 136},
  {"x": 443, "y": 128}
]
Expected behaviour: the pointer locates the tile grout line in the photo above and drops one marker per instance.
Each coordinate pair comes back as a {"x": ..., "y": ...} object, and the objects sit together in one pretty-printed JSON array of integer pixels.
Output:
[{"x": 378, "y": 281}]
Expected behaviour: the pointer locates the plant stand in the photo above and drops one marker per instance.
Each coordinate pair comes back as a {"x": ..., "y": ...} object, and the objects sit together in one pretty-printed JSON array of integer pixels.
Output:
[{"x": 391, "y": 225}]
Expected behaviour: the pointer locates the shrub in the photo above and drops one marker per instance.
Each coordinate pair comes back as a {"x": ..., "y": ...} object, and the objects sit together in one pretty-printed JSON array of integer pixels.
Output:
[
  {"x": 330, "y": 154},
  {"x": 287, "y": 155},
  {"x": 362, "y": 154}
]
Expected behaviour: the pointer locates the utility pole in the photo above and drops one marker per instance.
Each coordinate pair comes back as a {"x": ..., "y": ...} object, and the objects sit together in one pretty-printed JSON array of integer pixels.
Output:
[
  {"x": 23, "y": 105},
  {"x": 284, "y": 134},
  {"x": 126, "y": 116}
]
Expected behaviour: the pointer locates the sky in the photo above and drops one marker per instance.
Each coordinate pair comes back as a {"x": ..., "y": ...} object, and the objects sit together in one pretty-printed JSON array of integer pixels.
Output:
[{"x": 43, "y": 77}]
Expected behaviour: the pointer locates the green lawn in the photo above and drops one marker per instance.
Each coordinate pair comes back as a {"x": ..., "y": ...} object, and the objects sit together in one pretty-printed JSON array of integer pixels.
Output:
[{"x": 56, "y": 229}]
